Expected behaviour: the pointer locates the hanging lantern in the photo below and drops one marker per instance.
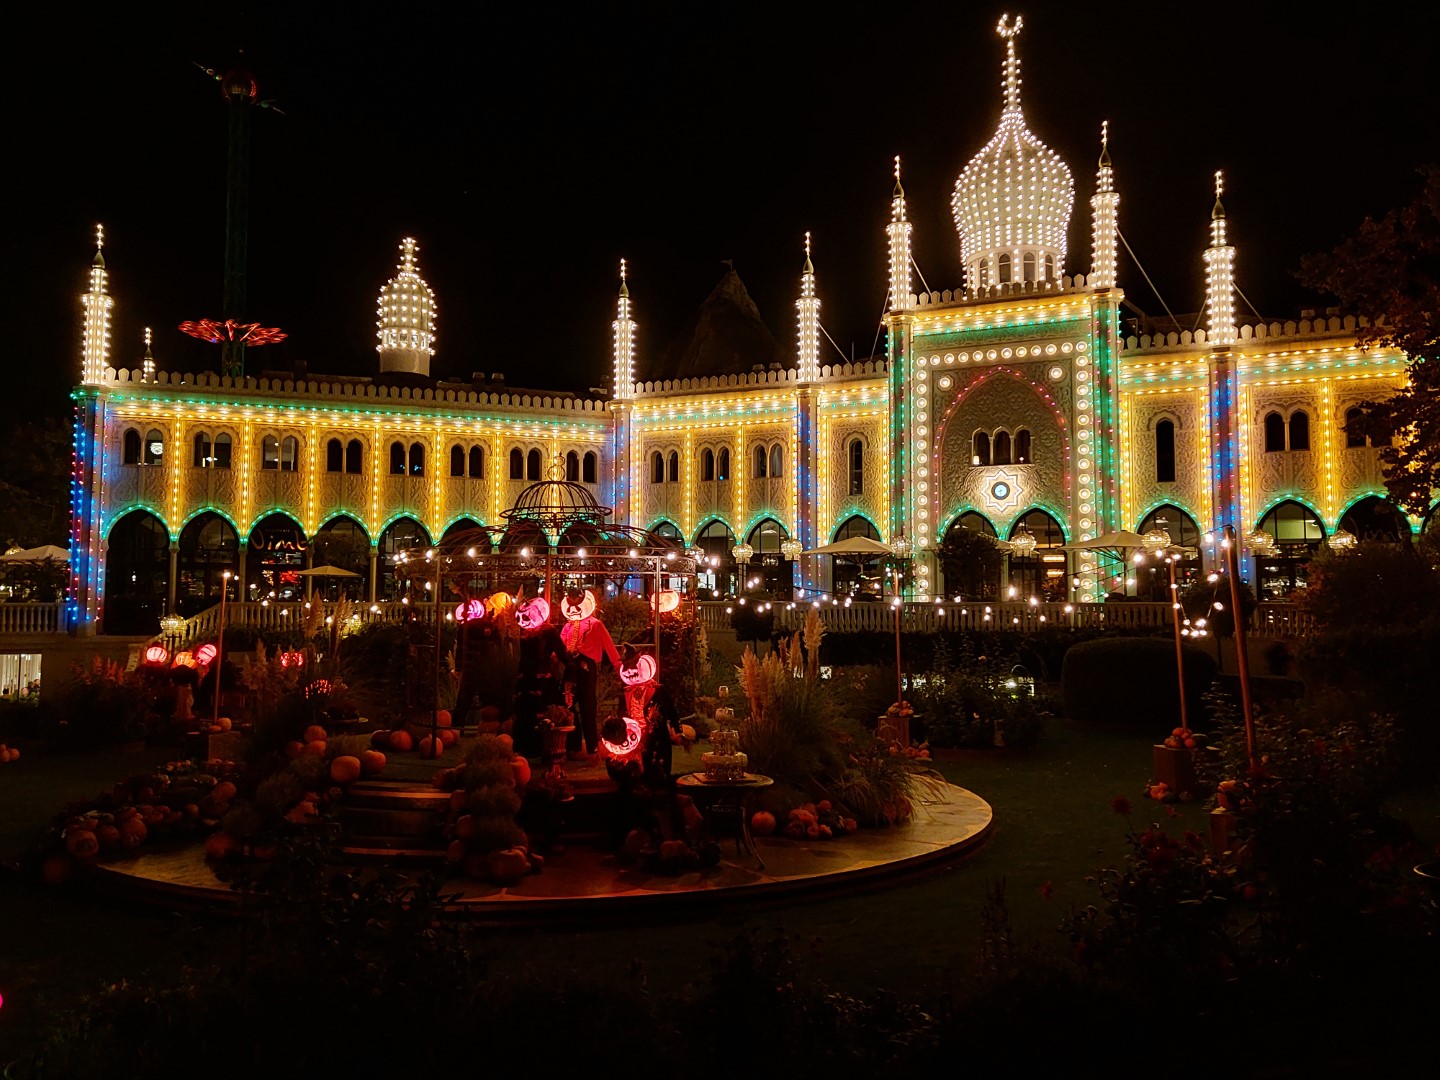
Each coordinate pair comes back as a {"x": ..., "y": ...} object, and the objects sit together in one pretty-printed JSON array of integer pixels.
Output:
[
  {"x": 172, "y": 624},
  {"x": 470, "y": 611},
  {"x": 1342, "y": 541},
  {"x": 578, "y": 606},
  {"x": 665, "y": 600},
  {"x": 533, "y": 613},
  {"x": 207, "y": 652},
  {"x": 642, "y": 672},
  {"x": 742, "y": 552},
  {"x": 184, "y": 659},
  {"x": 1022, "y": 542},
  {"x": 157, "y": 654},
  {"x": 1260, "y": 542},
  {"x": 791, "y": 548},
  {"x": 1157, "y": 539},
  {"x": 902, "y": 547}
]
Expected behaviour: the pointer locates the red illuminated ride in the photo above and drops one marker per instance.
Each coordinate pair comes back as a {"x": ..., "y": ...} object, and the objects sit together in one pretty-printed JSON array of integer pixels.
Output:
[{"x": 229, "y": 331}]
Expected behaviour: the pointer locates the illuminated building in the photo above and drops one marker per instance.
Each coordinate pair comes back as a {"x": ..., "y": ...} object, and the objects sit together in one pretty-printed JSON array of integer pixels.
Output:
[{"x": 1015, "y": 405}]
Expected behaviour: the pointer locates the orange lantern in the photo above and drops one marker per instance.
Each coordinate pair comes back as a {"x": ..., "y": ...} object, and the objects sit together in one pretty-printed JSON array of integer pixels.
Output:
[
  {"x": 184, "y": 659},
  {"x": 499, "y": 603}
]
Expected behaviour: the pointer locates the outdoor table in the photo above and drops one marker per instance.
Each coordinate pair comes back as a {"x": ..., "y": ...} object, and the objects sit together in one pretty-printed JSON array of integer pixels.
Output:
[{"x": 728, "y": 799}]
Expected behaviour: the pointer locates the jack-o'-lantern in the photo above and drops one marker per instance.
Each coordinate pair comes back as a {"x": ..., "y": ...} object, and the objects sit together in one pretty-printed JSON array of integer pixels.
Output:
[
  {"x": 157, "y": 654},
  {"x": 634, "y": 734},
  {"x": 206, "y": 653},
  {"x": 533, "y": 613},
  {"x": 640, "y": 672},
  {"x": 578, "y": 606},
  {"x": 500, "y": 602},
  {"x": 292, "y": 659},
  {"x": 184, "y": 659},
  {"x": 665, "y": 600},
  {"x": 470, "y": 611}
]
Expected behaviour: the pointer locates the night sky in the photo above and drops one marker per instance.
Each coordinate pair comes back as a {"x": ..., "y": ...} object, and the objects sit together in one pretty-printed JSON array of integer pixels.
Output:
[{"x": 529, "y": 148}]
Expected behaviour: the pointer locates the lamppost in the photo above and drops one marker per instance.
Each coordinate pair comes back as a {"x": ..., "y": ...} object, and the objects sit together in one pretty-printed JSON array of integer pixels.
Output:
[
  {"x": 220, "y": 647},
  {"x": 902, "y": 548},
  {"x": 742, "y": 553}
]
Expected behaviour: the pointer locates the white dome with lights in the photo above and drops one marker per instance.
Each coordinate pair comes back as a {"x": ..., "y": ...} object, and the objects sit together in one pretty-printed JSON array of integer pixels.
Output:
[
  {"x": 406, "y": 317},
  {"x": 1012, "y": 203}
]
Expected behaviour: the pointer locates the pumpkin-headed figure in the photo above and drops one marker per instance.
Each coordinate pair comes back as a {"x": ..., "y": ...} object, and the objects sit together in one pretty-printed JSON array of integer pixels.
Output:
[
  {"x": 587, "y": 642},
  {"x": 637, "y": 672}
]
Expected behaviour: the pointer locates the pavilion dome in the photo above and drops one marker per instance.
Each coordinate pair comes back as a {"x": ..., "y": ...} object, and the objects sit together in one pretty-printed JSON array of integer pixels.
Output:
[
  {"x": 405, "y": 317},
  {"x": 1012, "y": 202}
]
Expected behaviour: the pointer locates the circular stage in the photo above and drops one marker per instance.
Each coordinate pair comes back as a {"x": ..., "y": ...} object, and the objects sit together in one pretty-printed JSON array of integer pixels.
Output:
[{"x": 584, "y": 879}]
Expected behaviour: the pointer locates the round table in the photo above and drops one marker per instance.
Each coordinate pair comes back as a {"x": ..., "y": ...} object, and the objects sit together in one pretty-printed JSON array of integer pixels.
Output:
[{"x": 727, "y": 798}]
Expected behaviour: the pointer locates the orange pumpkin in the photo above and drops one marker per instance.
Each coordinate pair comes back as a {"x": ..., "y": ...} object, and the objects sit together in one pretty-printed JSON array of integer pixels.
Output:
[
  {"x": 224, "y": 723},
  {"x": 133, "y": 832},
  {"x": 108, "y": 837},
  {"x": 380, "y": 739},
  {"x": 442, "y": 718},
  {"x": 520, "y": 769},
  {"x": 82, "y": 844},
  {"x": 345, "y": 769},
  {"x": 221, "y": 845},
  {"x": 314, "y": 733},
  {"x": 507, "y": 742},
  {"x": 401, "y": 742},
  {"x": 294, "y": 748},
  {"x": 371, "y": 762},
  {"x": 315, "y": 748},
  {"x": 762, "y": 823},
  {"x": 431, "y": 747},
  {"x": 449, "y": 737},
  {"x": 223, "y": 791}
]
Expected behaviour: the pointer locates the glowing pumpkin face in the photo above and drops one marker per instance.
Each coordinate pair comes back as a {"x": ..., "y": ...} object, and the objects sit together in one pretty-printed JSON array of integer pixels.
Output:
[
  {"x": 184, "y": 659},
  {"x": 533, "y": 613},
  {"x": 157, "y": 654},
  {"x": 634, "y": 732},
  {"x": 206, "y": 653},
  {"x": 576, "y": 607},
  {"x": 470, "y": 611},
  {"x": 643, "y": 671},
  {"x": 292, "y": 659},
  {"x": 665, "y": 600},
  {"x": 499, "y": 603}
]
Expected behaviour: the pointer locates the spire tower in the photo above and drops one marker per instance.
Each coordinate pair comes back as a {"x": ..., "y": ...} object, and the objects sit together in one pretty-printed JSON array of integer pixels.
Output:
[
  {"x": 97, "y": 304},
  {"x": 624, "y": 344},
  {"x": 1219, "y": 275},
  {"x": 406, "y": 317},
  {"x": 808, "y": 307},
  {"x": 1103, "y": 209},
  {"x": 899, "y": 232}
]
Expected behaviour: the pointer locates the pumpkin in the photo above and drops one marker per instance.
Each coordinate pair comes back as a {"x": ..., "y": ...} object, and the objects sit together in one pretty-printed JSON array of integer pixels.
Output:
[
  {"x": 455, "y": 851},
  {"x": 520, "y": 769},
  {"x": 642, "y": 673},
  {"x": 314, "y": 733},
  {"x": 56, "y": 869},
  {"x": 221, "y": 845},
  {"x": 470, "y": 611},
  {"x": 762, "y": 823},
  {"x": 315, "y": 748},
  {"x": 687, "y": 733},
  {"x": 82, "y": 844},
  {"x": 371, "y": 762},
  {"x": 401, "y": 742},
  {"x": 442, "y": 717},
  {"x": 464, "y": 826},
  {"x": 449, "y": 737},
  {"x": 133, "y": 832},
  {"x": 431, "y": 747},
  {"x": 294, "y": 748},
  {"x": 507, "y": 742},
  {"x": 458, "y": 801},
  {"x": 224, "y": 723},
  {"x": 223, "y": 791},
  {"x": 506, "y": 866},
  {"x": 577, "y": 606},
  {"x": 108, "y": 836},
  {"x": 533, "y": 613},
  {"x": 345, "y": 769},
  {"x": 380, "y": 739}
]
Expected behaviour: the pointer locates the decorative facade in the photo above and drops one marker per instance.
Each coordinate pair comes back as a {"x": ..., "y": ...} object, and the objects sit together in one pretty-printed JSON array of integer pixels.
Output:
[{"x": 1015, "y": 406}]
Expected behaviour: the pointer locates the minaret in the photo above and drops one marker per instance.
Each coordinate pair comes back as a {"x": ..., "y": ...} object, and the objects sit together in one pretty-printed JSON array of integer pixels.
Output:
[
  {"x": 95, "y": 347},
  {"x": 808, "y": 307},
  {"x": 899, "y": 233},
  {"x": 147, "y": 362},
  {"x": 1223, "y": 376},
  {"x": 406, "y": 317},
  {"x": 1103, "y": 207},
  {"x": 621, "y": 395}
]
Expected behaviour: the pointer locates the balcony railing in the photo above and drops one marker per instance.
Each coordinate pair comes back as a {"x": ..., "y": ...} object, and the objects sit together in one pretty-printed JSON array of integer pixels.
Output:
[{"x": 30, "y": 618}]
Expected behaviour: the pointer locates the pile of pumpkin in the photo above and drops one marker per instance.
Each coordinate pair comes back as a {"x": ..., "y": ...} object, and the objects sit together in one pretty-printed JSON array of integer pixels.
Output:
[
  {"x": 218, "y": 727},
  {"x": 8, "y": 754},
  {"x": 485, "y": 842},
  {"x": 813, "y": 821},
  {"x": 402, "y": 740},
  {"x": 344, "y": 768}
]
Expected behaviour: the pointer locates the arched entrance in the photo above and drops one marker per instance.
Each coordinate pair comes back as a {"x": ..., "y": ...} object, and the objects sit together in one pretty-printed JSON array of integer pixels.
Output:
[
  {"x": 1042, "y": 573},
  {"x": 1185, "y": 535},
  {"x": 274, "y": 557},
  {"x": 970, "y": 560},
  {"x": 137, "y": 571},
  {"x": 403, "y": 535},
  {"x": 1374, "y": 520},
  {"x": 209, "y": 546},
  {"x": 665, "y": 530},
  {"x": 771, "y": 571},
  {"x": 716, "y": 564},
  {"x": 862, "y": 577},
  {"x": 341, "y": 542},
  {"x": 1298, "y": 535}
]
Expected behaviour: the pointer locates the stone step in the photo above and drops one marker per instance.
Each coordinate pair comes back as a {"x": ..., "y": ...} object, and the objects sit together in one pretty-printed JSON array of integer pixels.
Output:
[
  {"x": 397, "y": 795},
  {"x": 385, "y": 821}
]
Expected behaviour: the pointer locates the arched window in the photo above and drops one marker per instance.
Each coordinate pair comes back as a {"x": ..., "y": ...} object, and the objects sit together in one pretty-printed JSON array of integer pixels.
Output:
[
  {"x": 666, "y": 530},
  {"x": 717, "y": 564},
  {"x": 1005, "y": 274},
  {"x": 1374, "y": 520},
  {"x": 154, "y": 450},
  {"x": 290, "y": 454},
  {"x": 971, "y": 566},
  {"x": 397, "y": 459},
  {"x": 270, "y": 453},
  {"x": 1049, "y": 267},
  {"x": 334, "y": 456},
  {"x": 855, "y": 460},
  {"x": 1299, "y": 430},
  {"x": 354, "y": 456},
  {"x": 517, "y": 464},
  {"x": 777, "y": 460},
  {"x": 208, "y": 548},
  {"x": 130, "y": 444},
  {"x": 1165, "y": 452},
  {"x": 457, "y": 461},
  {"x": 1152, "y": 579},
  {"x": 707, "y": 464},
  {"x": 980, "y": 448},
  {"x": 657, "y": 468},
  {"x": 572, "y": 467},
  {"x": 137, "y": 566},
  {"x": 532, "y": 465},
  {"x": 220, "y": 451},
  {"x": 1274, "y": 433},
  {"x": 202, "y": 450},
  {"x": 1354, "y": 437},
  {"x": 722, "y": 464},
  {"x": 1000, "y": 449},
  {"x": 477, "y": 462},
  {"x": 1298, "y": 535},
  {"x": 859, "y": 575},
  {"x": 1043, "y": 573},
  {"x": 417, "y": 459},
  {"x": 762, "y": 461},
  {"x": 590, "y": 468},
  {"x": 673, "y": 472},
  {"x": 1022, "y": 446},
  {"x": 1029, "y": 266}
]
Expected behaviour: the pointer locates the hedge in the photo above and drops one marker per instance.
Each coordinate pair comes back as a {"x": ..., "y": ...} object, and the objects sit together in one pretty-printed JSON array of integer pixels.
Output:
[{"x": 1132, "y": 681}]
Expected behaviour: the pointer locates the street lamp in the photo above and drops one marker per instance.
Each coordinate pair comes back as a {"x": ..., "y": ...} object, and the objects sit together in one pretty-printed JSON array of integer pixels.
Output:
[{"x": 220, "y": 647}]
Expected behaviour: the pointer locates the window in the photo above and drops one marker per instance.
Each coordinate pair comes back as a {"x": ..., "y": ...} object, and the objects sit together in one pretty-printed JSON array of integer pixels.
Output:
[
  {"x": 354, "y": 456},
  {"x": 762, "y": 461},
  {"x": 270, "y": 453},
  {"x": 1022, "y": 447},
  {"x": 457, "y": 461},
  {"x": 1165, "y": 452},
  {"x": 1299, "y": 430},
  {"x": 1274, "y": 433},
  {"x": 674, "y": 470},
  {"x": 532, "y": 465},
  {"x": 572, "y": 467},
  {"x": 1354, "y": 437},
  {"x": 855, "y": 458},
  {"x": 290, "y": 454},
  {"x": 707, "y": 464},
  {"x": 777, "y": 460},
  {"x": 477, "y": 463},
  {"x": 417, "y": 459},
  {"x": 1005, "y": 268},
  {"x": 1000, "y": 449},
  {"x": 1029, "y": 265},
  {"x": 211, "y": 455},
  {"x": 590, "y": 468},
  {"x": 517, "y": 464},
  {"x": 130, "y": 447},
  {"x": 220, "y": 451},
  {"x": 154, "y": 449},
  {"x": 722, "y": 464},
  {"x": 202, "y": 451},
  {"x": 397, "y": 459},
  {"x": 657, "y": 468},
  {"x": 1049, "y": 267},
  {"x": 980, "y": 448},
  {"x": 334, "y": 456}
]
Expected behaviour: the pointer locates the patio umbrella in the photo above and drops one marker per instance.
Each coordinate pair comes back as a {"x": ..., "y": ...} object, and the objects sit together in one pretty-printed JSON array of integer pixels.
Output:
[
  {"x": 854, "y": 545},
  {"x": 327, "y": 571},
  {"x": 1116, "y": 545},
  {"x": 45, "y": 553}
]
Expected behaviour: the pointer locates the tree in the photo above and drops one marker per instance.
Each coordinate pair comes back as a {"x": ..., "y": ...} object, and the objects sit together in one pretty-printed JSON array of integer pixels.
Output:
[
  {"x": 1389, "y": 274},
  {"x": 35, "y": 484},
  {"x": 971, "y": 563}
]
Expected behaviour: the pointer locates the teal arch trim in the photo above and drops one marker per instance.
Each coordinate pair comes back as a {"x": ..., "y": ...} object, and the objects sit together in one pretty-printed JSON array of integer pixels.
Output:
[
  {"x": 706, "y": 522},
  {"x": 1057, "y": 517},
  {"x": 1306, "y": 503},
  {"x": 964, "y": 508},
  {"x": 666, "y": 520},
  {"x": 764, "y": 515},
  {"x": 128, "y": 510},
  {"x": 375, "y": 540},
  {"x": 460, "y": 517},
  {"x": 342, "y": 514},
  {"x": 841, "y": 519},
  {"x": 271, "y": 512},
  {"x": 1177, "y": 504},
  {"x": 243, "y": 535},
  {"x": 1380, "y": 494}
]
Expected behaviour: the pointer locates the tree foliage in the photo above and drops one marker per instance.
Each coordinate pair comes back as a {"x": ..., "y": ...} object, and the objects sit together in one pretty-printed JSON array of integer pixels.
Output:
[
  {"x": 971, "y": 564},
  {"x": 1389, "y": 274}
]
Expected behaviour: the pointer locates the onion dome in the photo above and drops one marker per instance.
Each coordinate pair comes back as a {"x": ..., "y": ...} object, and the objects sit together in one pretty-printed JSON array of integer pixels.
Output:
[
  {"x": 406, "y": 317},
  {"x": 555, "y": 505},
  {"x": 1012, "y": 203}
]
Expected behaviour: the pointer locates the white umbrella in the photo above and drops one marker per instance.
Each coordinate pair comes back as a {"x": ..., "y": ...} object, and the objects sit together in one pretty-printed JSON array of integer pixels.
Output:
[
  {"x": 1111, "y": 543},
  {"x": 854, "y": 545},
  {"x": 328, "y": 571},
  {"x": 45, "y": 553}
]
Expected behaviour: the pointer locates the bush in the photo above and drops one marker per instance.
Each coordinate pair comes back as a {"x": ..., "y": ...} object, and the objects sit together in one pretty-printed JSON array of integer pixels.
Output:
[{"x": 1132, "y": 680}]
